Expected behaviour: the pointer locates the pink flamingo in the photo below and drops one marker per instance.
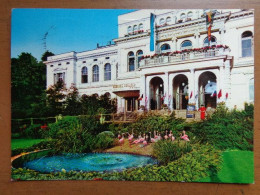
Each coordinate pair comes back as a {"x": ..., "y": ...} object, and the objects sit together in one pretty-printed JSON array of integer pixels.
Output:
[
  {"x": 166, "y": 136},
  {"x": 185, "y": 137},
  {"x": 155, "y": 134},
  {"x": 153, "y": 140},
  {"x": 130, "y": 139},
  {"x": 122, "y": 140},
  {"x": 159, "y": 137},
  {"x": 170, "y": 134},
  {"x": 119, "y": 136},
  {"x": 138, "y": 140},
  {"x": 172, "y": 138}
]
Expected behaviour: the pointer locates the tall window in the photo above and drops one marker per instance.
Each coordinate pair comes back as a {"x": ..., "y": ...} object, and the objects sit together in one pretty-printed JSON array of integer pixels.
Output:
[
  {"x": 129, "y": 29},
  {"x": 84, "y": 75},
  {"x": 107, "y": 72},
  {"x": 251, "y": 90},
  {"x": 168, "y": 20},
  {"x": 183, "y": 16},
  {"x": 95, "y": 73},
  {"x": 165, "y": 48},
  {"x": 141, "y": 26},
  {"x": 189, "y": 15},
  {"x": 58, "y": 77},
  {"x": 135, "y": 28},
  {"x": 162, "y": 21},
  {"x": 139, "y": 57},
  {"x": 186, "y": 45},
  {"x": 247, "y": 44},
  {"x": 131, "y": 61},
  {"x": 213, "y": 41}
]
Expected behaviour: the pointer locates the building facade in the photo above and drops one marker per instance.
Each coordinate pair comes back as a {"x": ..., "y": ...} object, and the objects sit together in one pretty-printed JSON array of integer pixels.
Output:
[{"x": 163, "y": 58}]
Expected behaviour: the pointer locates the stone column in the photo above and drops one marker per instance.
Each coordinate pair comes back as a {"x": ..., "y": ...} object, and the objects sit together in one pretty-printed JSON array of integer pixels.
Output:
[
  {"x": 174, "y": 41},
  {"x": 142, "y": 90},
  {"x": 227, "y": 83},
  {"x": 197, "y": 37},
  {"x": 147, "y": 94},
  {"x": 220, "y": 82},
  {"x": 192, "y": 86},
  {"x": 166, "y": 88}
]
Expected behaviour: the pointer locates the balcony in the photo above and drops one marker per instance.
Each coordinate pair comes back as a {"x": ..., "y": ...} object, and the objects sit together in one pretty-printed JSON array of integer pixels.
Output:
[{"x": 182, "y": 56}]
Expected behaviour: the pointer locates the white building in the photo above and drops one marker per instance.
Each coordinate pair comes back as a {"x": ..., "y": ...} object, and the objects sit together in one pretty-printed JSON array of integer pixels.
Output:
[{"x": 186, "y": 69}]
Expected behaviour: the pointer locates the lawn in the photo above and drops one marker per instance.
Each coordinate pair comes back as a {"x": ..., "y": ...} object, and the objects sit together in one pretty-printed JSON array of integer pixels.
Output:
[
  {"x": 24, "y": 143},
  {"x": 237, "y": 167}
]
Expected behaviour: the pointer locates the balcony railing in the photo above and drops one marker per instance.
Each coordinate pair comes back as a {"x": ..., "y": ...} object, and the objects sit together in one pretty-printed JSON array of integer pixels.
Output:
[{"x": 180, "y": 57}]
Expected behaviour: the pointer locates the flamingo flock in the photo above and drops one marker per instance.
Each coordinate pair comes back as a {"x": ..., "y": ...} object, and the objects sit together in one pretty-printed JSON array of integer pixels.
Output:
[{"x": 146, "y": 138}]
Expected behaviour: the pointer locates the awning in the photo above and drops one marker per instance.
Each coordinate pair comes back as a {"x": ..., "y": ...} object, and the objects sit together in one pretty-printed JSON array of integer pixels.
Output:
[{"x": 127, "y": 94}]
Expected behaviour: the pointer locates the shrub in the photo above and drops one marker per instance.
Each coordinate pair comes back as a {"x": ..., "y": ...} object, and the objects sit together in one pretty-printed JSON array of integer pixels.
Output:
[
  {"x": 104, "y": 140},
  {"x": 33, "y": 131},
  {"x": 92, "y": 124},
  {"x": 150, "y": 123},
  {"x": 166, "y": 151},
  {"x": 227, "y": 129},
  {"x": 66, "y": 123}
]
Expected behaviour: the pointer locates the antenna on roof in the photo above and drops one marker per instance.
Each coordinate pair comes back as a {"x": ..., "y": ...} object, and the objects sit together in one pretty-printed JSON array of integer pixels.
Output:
[
  {"x": 97, "y": 45},
  {"x": 44, "y": 39}
]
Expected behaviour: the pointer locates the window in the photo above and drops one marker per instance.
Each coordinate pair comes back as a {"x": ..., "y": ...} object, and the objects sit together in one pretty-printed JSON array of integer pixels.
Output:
[
  {"x": 168, "y": 20},
  {"x": 162, "y": 21},
  {"x": 189, "y": 15},
  {"x": 247, "y": 44},
  {"x": 141, "y": 26},
  {"x": 135, "y": 28},
  {"x": 183, "y": 16},
  {"x": 131, "y": 61},
  {"x": 107, "y": 72},
  {"x": 59, "y": 77},
  {"x": 129, "y": 29},
  {"x": 84, "y": 75},
  {"x": 213, "y": 41},
  {"x": 139, "y": 57},
  {"x": 186, "y": 45},
  {"x": 95, "y": 73},
  {"x": 165, "y": 48},
  {"x": 251, "y": 90}
]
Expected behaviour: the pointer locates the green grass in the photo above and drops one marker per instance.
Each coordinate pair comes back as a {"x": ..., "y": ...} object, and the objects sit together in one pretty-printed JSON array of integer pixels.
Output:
[
  {"x": 24, "y": 143},
  {"x": 237, "y": 167}
]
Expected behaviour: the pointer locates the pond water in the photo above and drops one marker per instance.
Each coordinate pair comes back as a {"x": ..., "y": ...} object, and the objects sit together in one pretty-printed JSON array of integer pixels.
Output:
[{"x": 89, "y": 162}]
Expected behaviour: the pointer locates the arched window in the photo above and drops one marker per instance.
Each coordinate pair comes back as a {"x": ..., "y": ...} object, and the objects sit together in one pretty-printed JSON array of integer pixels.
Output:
[
  {"x": 183, "y": 16},
  {"x": 186, "y": 45},
  {"x": 107, "y": 72},
  {"x": 162, "y": 21},
  {"x": 84, "y": 75},
  {"x": 168, "y": 20},
  {"x": 189, "y": 15},
  {"x": 139, "y": 57},
  {"x": 141, "y": 26},
  {"x": 95, "y": 73},
  {"x": 135, "y": 28},
  {"x": 251, "y": 90},
  {"x": 131, "y": 61},
  {"x": 247, "y": 44},
  {"x": 165, "y": 48},
  {"x": 129, "y": 29},
  {"x": 213, "y": 41}
]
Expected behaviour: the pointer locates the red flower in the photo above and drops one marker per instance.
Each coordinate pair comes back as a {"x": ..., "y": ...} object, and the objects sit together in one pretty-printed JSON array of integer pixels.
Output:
[{"x": 97, "y": 179}]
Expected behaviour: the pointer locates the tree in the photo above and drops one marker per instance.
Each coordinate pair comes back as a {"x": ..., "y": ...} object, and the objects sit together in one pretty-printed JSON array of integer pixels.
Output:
[
  {"x": 72, "y": 103},
  {"x": 46, "y": 55},
  {"x": 27, "y": 84}
]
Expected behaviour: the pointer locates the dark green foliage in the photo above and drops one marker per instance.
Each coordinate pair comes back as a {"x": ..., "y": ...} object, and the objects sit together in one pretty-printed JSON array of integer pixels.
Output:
[
  {"x": 64, "y": 124},
  {"x": 46, "y": 54},
  {"x": 166, "y": 151},
  {"x": 104, "y": 140},
  {"x": 92, "y": 124},
  {"x": 190, "y": 167},
  {"x": 72, "y": 105},
  {"x": 32, "y": 131},
  {"x": 227, "y": 129},
  {"x": 28, "y": 82},
  {"x": 150, "y": 123}
]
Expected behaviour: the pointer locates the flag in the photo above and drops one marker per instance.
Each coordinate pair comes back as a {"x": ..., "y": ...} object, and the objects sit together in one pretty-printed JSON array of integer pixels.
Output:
[
  {"x": 226, "y": 95},
  {"x": 162, "y": 98},
  {"x": 146, "y": 99},
  {"x": 141, "y": 97},
  {"x": 209, "y": 33},
  {"x": 191, "y": 95},
  {"x": 213, "y": 94},
  {"x": 209, "y": 17},
  {"x": 152, "y": 19},
  {"x": 219, "y": 93}
]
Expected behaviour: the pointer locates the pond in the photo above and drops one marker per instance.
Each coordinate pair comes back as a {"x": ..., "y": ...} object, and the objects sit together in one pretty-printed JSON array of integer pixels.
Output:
[{"x": 88, "y": 162}]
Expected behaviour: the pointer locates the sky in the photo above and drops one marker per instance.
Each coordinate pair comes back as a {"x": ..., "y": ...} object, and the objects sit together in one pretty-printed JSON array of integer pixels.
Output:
[{"x": 67, "y": 30}]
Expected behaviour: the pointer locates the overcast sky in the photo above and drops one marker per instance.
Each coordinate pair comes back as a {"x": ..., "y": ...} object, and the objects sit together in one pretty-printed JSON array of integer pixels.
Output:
[{"x": 67, "y": 30}]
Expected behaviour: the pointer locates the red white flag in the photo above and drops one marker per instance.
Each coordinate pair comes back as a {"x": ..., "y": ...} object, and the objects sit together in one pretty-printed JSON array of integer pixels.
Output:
[
  {"x": 191, "y": 95},
  {"x": 220, "y": 94}
]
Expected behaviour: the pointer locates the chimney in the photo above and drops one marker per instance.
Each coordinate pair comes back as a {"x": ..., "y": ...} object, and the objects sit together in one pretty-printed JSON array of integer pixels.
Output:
[{"x": 97, "y": 45}]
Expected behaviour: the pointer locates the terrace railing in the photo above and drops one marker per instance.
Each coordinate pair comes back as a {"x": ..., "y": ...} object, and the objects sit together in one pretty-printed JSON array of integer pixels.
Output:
[{"x": 184, "y": 56}]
